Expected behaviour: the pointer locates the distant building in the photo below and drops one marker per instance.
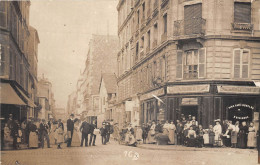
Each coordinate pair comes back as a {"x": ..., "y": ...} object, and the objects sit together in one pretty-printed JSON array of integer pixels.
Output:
[
  {"x": 107, "y": 99},
  {"x": 100, "y": 58},
  {"x": 59, "y": 113},
  {"x": 18, "y": 60},
  {"x": 46, "y": 99},
  {"x": 199, "y": 57}
]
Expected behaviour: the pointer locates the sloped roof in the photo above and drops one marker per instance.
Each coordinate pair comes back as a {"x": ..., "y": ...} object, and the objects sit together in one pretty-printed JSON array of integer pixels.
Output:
[{"x": 110, "y": 82}]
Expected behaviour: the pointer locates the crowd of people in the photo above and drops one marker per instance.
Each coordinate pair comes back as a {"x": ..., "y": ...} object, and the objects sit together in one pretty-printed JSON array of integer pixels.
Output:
[
  {"x": 188, "y": 132},
  {"x": 32, "y": 132}
]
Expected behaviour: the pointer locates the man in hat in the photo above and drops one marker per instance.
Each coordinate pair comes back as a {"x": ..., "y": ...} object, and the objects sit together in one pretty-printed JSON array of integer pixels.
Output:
[
  {"x": 92, "y": 133},
  {"x": 70, "y": 128},
  {"x": 44, "y": 129},
  {"x": 85, "y": 128}
]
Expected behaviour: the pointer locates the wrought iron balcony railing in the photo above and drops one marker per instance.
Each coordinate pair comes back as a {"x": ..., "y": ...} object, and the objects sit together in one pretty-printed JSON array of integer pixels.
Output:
[
  {"x": 242, "y": 26},
  {"x": 189, "y": 27}
]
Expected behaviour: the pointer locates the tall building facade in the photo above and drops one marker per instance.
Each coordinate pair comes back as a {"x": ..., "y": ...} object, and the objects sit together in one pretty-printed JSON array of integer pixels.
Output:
[
  {"x": 190, "y": 57},
  {"x": 100, "y": 58},
  {"x": 18, "y": 58}
]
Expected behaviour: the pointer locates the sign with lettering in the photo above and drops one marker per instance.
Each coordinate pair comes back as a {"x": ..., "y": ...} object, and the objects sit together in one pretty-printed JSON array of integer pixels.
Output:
[
  {"x": 181, "y": 89},
  {"x": 240, "y": 112},
  {"x": 239, "y": 90},
  {"x": 189, "y": 101},
  {"x": 158, "y": 92}
]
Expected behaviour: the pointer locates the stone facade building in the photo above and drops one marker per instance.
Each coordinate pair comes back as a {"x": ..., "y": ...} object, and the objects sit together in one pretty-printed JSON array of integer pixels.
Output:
[
  {"x": 200, "y": 57},
  {"x": 100, "y": 59},
  {"x": 18, "y": 58}
]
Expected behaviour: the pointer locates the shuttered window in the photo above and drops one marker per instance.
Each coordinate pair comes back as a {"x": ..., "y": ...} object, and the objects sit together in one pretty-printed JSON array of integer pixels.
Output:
[
  {"x": 241, "y": 63},
  {"x": 2, "y": 60},
  {"x": 242, "y": 12},
  {"x": 179, "y": 65},
  {"x": 202, "y": 63},
  {"x": 3, "y": 15},
  {"x": 192, "y": 18}
]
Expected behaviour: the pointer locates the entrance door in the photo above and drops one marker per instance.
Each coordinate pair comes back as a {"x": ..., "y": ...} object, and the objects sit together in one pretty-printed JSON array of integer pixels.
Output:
[{"x": 190, "y": 110}]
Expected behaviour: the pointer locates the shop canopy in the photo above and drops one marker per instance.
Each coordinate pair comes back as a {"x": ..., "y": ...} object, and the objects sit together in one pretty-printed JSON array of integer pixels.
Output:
[
  {"x": 9, "y": 96},
  {"x": 29, "y": 101}
]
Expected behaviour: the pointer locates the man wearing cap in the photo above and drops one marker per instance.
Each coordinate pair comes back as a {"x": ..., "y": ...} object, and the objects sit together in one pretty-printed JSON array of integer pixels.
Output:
[
  {"x": 44, "y": 127},
  {"x": 70, "y": 128}
]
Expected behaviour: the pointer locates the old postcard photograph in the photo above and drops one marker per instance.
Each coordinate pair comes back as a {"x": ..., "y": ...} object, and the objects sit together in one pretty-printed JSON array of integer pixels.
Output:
[{"x": 120, "y": 82}]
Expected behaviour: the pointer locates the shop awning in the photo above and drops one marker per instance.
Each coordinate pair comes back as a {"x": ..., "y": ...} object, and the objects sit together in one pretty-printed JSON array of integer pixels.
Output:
[
  {"x": 30, "y": 103},
  {"x": 9, "y": 96}
]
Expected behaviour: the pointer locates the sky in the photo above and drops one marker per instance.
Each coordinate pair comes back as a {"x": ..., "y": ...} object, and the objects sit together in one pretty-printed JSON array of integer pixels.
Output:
[{"x": 65, "y": 28}]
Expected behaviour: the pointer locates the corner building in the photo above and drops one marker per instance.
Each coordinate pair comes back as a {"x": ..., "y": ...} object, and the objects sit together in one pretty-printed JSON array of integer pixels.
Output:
[{"x": 200, "y": 57}]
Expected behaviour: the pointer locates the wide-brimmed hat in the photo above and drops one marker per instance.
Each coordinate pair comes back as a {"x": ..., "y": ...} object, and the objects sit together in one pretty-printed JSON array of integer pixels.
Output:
[{"x": 217, "y": 120}]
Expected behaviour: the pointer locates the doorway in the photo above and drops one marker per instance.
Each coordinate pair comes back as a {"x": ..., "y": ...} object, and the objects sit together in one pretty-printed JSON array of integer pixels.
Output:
[{"x": 190, "y": 110}]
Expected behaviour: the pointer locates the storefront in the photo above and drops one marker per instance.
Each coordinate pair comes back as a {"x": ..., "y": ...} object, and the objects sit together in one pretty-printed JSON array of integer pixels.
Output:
[{"x": 207, "y": 102}]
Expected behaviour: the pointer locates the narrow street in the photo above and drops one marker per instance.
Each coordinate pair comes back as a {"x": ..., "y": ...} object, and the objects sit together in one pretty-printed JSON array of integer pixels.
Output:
[{"x": 115, "y": 154}]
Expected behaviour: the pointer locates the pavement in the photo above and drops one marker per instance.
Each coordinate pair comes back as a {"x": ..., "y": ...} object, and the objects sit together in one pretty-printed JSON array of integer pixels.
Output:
[{"x": 115, "y": 154}]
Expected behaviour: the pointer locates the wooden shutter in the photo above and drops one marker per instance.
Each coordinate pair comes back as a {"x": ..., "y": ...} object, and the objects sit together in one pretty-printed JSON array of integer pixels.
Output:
[
  {"x": 202, "y": 63},
  {"x": 3, "y": 15},
  {"x": 242, "y": 12},
  {"x": 192, "y": 15},
  {"x": 179, "y": 64},
  {"x": 2, "y": 60},
  {"x": 245, "y": 63},
  {"x": 237, "y": 63}
]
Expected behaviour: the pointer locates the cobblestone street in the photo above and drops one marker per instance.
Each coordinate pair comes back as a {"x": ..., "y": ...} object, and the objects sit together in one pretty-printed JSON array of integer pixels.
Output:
[{"x": 114, "y": 154}]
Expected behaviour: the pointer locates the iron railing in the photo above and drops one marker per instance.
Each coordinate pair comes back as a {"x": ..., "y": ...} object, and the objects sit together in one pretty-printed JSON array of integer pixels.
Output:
[{"x": 189, "y": 26}]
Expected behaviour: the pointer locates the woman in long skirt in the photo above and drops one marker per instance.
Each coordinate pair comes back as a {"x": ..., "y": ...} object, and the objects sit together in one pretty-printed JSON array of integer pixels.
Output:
[
  {"x": 211, "y": 136},
  {"x": 234, "y": 133},
  {"x": 172, "y": 129},
  {"x": 251, "y": 142},
  {"x": 33, "y": 136},
  {"x": 243, "y": 135},
  {"x": 151, "y": 134},
  {"x": 60, "y": 137}
]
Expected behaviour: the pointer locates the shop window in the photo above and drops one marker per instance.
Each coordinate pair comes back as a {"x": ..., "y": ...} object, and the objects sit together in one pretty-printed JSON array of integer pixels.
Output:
[
  {"x": 191, "y": 64},
  {"x": 241, "y": 63}
]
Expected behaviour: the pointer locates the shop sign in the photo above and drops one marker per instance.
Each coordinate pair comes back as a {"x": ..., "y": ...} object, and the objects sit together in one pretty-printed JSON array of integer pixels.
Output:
[
  {"x": 240, "y": 112},
  {"x": 158, "y": 92},
  {"x": 238, "y": 90},
  {"x": 182, "y": 89},
  {"x": 241, "y": 105},
  {"x": 189, "y": 101}
]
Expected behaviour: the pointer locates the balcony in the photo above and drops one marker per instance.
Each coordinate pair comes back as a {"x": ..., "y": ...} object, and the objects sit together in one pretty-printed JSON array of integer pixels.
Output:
[
  {"x": 242, "y": 26},
  {"x": 154, "y": 43},
  {"x": 189, "y": 27},
  {"x": 164, "y": 3},
  {"x": 163, "y": 37}
]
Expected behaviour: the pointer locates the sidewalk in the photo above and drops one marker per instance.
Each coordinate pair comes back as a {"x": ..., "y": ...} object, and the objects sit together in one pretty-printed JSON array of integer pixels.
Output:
[{"x": 184, "y": 148}]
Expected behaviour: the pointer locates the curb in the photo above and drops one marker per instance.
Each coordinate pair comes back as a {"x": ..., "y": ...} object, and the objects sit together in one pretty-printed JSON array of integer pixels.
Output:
[{"x": 196, "y": 149}]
